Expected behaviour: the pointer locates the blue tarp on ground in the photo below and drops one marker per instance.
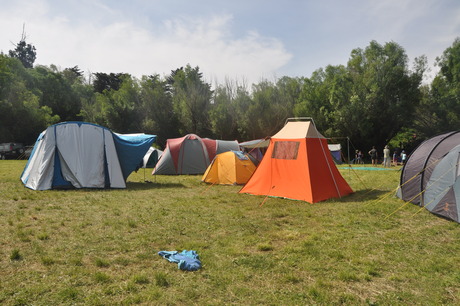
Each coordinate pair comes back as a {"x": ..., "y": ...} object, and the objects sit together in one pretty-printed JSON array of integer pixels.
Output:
[
  {"x": 186, "y": 260},
  {"x": 367, "y": 168}
]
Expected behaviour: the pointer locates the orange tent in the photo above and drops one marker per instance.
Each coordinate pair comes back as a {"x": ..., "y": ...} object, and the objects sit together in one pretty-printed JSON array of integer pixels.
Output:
[{"x": 298, "y": 165}]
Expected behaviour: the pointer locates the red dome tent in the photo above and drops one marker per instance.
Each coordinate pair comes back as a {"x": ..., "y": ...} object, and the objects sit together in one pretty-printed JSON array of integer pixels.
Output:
[{"x": 191, "y": 154}]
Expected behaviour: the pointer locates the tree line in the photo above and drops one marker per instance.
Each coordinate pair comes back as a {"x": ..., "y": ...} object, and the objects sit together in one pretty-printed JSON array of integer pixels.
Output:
[{"x": 375, "y": 99}]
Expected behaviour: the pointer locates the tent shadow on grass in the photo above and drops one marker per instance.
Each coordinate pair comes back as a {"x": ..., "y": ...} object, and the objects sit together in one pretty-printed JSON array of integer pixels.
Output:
[
  {"x": 363, "y": 195},
  {"x": 152, "y": 185}
]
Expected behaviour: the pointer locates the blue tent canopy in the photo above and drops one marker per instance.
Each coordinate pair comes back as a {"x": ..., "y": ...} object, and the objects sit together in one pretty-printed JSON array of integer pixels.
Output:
[{"x": 131, "y": 149}]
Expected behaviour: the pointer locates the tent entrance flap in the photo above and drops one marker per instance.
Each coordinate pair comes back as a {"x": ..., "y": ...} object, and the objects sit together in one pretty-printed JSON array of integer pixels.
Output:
[{"x": 58, "y": 179}]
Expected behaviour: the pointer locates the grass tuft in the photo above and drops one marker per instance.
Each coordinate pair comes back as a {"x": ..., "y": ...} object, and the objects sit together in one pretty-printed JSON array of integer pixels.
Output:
[
  {"x": 132, "y": 224},
  {"x": 101, "y": 277},
  {"x": 265, "y": 247},
  {"x": 348, "y": 276},
  {"x": 318, "y": 295},
  {"x": 43, "y": 236},
  {"x": 15, "y": 255},
  {"x": 48, "y": 261},
  {"x": 161, "y": 280},
  {"x": 290, "y": 278},
  {"x": 69, "y": 293},
  {"x": 76, "y": 261},
  {"x": 101, "y": 263},
  {"x": 122, "y": 261},
  {"x": 140, "y": 279}
]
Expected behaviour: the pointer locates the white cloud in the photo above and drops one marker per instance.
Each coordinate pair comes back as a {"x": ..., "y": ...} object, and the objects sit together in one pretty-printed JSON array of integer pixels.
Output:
[
  {"x": 235, "y": 40},
  {"x": 124, "y": 46}
]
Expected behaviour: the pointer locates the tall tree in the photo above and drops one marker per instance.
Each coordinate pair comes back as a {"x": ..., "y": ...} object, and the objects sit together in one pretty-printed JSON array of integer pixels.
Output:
[
  {"x": 103, "y": 81},
  {"x": 119, "y": 108},
  {"x": 191, "y": 99},
  {"x": 443, "y": 103},
  {"x": 25, "y": 52},
  {"x": 243, "y": 102},
  {"x": 269, "y": 109},
  {"x": 322, "y": 96},
  {"x": 223, "y": 111},
  {"x": 56, "y": 92},
  {"x": 289, "y": 90},
  {"x": 386, "y": 91},
  {"x": 156, "y": 110},
  {"x": 370, "y": 100},
  {"x": 73, "y": 75},
  {"x": 21, "y": 116}
]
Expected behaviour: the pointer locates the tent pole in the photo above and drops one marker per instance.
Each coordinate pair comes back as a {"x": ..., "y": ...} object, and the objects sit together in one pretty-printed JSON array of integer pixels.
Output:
[
  {"x": 328, "y": 165},
  {"x": 348, "y": 148}
]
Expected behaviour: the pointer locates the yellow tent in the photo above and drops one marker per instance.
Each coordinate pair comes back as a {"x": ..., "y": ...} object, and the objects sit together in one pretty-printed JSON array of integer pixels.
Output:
[{"x": 229, "y": 168}]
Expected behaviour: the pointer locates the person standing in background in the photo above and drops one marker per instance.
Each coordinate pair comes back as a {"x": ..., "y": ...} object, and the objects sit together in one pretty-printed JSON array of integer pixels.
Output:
[
  {"x": 360, "y": 157},
  {"x": 386, "y": 157},
  {"x": 403, "y": 157},
  {"x": 374, "y": 155}
]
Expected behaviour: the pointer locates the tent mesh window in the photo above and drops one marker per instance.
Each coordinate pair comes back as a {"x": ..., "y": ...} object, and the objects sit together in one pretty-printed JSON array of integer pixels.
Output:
[{"x": 286, "y": 149}]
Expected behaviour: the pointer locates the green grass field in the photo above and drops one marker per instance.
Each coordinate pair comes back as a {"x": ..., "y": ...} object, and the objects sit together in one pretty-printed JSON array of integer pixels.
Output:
[{"x": 99, "y": 247}]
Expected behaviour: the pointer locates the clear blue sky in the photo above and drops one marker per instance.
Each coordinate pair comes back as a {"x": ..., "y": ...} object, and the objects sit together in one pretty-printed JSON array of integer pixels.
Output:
[{"x": 242, "y": 40}]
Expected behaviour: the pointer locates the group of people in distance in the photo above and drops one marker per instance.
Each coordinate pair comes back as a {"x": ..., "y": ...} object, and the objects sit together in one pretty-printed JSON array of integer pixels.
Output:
[{"x": 399, "y": 158}]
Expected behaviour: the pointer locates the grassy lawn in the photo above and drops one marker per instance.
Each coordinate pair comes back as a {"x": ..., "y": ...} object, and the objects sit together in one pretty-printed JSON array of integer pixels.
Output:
[{"x": 99, "y": 247}]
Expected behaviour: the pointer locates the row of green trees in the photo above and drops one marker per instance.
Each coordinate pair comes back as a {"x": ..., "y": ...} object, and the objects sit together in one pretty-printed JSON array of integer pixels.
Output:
[{"x": 374, "y": 100}]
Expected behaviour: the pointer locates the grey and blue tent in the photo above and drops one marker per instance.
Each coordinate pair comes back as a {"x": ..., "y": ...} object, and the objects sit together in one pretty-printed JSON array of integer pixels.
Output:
[
  {"x": 151, "y": 158},
  {"x": 442, "y": 193},
  {"x": 419, "y": 182},
  {"x": 83, "y": 155}
]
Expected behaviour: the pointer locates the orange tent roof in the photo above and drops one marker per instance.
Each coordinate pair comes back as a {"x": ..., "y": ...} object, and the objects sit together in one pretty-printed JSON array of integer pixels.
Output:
[{"x": 298, "y": 165}]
